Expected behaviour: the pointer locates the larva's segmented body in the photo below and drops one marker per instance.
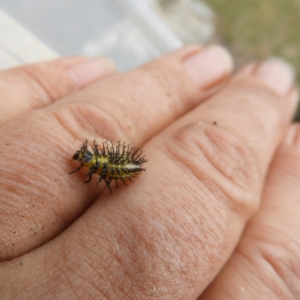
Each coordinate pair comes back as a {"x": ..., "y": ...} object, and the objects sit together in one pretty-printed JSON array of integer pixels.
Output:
[{"x": 112, "y": 161}]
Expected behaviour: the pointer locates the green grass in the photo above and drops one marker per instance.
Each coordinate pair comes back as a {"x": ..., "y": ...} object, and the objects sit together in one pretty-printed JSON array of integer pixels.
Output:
[{"x": 256, "y": 29}]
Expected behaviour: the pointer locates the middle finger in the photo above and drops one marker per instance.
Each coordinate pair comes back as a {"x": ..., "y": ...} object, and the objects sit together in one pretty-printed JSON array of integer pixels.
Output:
[{"x": 38, "y": 197}]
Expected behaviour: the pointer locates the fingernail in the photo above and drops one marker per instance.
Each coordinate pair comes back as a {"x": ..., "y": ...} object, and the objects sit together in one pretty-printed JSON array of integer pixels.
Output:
[
  {"x": 90, "y": 70},
  {"x": 209, "y": 65},
  {"x": 277, "y": 74}
]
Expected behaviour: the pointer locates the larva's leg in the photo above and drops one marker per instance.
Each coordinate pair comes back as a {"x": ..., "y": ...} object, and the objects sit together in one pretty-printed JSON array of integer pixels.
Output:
[
  {"x": 124, "y": 181},
  {"x": 103, "y": 174},
  {"x": 108, "y": 184},
  {"x": 121, "y": 177},
  {"x": 129, "y": 177},
  {"x": 116, "y": 181},
  {"x": 89, "y": 175},
  {"x": 76, "y": 170}
]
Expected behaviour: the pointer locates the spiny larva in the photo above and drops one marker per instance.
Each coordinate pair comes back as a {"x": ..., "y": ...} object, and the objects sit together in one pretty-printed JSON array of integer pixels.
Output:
[{"x": 112, "y": 161}]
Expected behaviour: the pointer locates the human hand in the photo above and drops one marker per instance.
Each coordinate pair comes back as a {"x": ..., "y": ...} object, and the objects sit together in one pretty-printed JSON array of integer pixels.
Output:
[{"x": 179, "y": 231}]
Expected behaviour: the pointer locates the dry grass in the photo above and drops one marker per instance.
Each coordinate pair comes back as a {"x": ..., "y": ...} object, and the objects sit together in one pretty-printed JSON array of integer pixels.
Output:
[{"x": 256, "y": 29}]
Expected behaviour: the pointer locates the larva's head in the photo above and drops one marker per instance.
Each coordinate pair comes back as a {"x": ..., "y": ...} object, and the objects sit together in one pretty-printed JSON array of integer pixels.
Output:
[{"x": 84, "y": 156}]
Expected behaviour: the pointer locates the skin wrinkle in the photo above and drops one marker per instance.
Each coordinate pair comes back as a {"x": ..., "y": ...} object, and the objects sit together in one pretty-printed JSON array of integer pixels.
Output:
[
  {"x": 266, "y": 266},
  {"x": 33, "y": 83},
  {"x": 288, "y": 166},
  {"x": 82, "y": 283},
  {"x": 32, "y": 161},
  {"x": 274, "y": 287},
  {"x": 71, "y": 125},
  {"x": 60, "y": 287},
  {"x": 115, "y": 287},
  {"x": 47, "y": 293},
  {"x": 135, "y": 257},
  {"x": 27, "y": 226},
  {"x": 187, "y": 136},
  {"x": 241, "y": 170},
  {"x": 233, "y": 174},
  {"x": 116, "y": 129},
  {"x": 255, "y": 282},
  {"x": 126, "y": 103},
  {"x": 211, "y": 214},
  {"x": 33, "y": 76},
  {"x": 144, "y": 247},
  {"x": 179, "y": 240},
  {"x": 116, "y": 259},
  {"x": 92, "y": 285},
  {"x": 249, "y": 95},
  {"x": 256, "y": 90},
  {"x": 278, "y": 257},
  {"x": 205, "y": 216},
  {"x": 34, "y": 189},
  {"x": 91, "y": 121},
  {"x": 119, "y": 259},
  {"x": 174, "y": 234}
]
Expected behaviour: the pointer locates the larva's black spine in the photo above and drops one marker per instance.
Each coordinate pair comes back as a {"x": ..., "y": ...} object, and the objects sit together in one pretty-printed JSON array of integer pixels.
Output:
[{"x": 112, "y": 161}]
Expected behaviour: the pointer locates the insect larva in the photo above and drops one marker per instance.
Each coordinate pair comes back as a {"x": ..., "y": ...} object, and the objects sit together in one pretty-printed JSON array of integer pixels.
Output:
[{"x": 112, "y": 161}]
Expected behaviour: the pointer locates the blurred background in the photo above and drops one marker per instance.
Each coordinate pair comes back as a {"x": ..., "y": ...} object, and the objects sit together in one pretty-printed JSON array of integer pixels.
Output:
[{"x": 133, "y": 32}]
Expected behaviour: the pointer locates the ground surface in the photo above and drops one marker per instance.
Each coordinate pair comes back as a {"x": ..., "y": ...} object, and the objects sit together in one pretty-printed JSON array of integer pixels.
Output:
[{"x": 255, "y": 29}]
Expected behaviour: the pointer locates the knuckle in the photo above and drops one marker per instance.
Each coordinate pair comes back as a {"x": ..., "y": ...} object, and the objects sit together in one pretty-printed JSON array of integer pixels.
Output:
[
  {"x": 278, "y": 258},
  {"x": 37, "y": 78},
  {"x": 89, "y": 120},
  {"x": 222, "y": 161}
]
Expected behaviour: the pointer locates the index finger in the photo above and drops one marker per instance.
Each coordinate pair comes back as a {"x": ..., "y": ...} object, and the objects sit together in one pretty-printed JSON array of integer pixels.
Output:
[{"x": 38, "y": 195}]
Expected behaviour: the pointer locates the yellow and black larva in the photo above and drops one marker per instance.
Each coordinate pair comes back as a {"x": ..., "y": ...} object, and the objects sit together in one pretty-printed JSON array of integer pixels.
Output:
[{"x": 112, "y": 161}]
